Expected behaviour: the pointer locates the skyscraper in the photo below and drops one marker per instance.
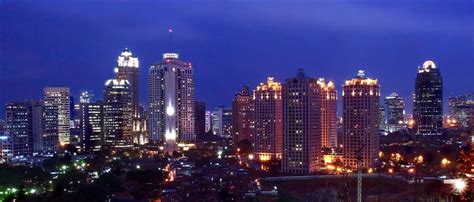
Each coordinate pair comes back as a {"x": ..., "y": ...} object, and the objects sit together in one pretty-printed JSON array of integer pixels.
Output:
[
  {"x": 328, "y": 113},
  {"x": 268, "y": 120},
  {"x": 361, "y": 119},
  {"x": 428, "y": 100},
  {"x": 221, "y": 122},
  {"x": 91, "y": 124},
  {"x": 171, "y": 101},
  {"x": 18, "y": 129},
  {"x": 200, "y": 118},
  {"x": 208, "y": 121},
  {"x": 118, "y": 113},
  {"x": 301, "y": 124},
  {"x": 58, "y": 98},
  {"x": 127, "y": 69},
  {"x": 242, "y": 116},
  {"x": 461, "y": 108},
  {"x": 395, "y": 109}
]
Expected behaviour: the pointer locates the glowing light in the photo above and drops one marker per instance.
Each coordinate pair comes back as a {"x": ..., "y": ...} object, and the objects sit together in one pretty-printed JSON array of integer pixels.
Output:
[
  {"x": 170, "y": 55},
  {"x": 411, "y": 170},
  {"x": 170, "y": 110},
  {"x": 445, "y": 162},
  {"x": 251, "y": 156},
  {"x": 459, "y": 185}
]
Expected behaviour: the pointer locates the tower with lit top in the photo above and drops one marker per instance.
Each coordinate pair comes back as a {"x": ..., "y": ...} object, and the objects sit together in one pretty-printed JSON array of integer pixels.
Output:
[
  {"x": 127, "y": 69},
  {"x": 361, "y": 119},
  {"x": 171, "y": 102},
  {"x": 428, "y": 100},
  {"x": 268, "y": 120},
  {"x": 328, "y": 113}
]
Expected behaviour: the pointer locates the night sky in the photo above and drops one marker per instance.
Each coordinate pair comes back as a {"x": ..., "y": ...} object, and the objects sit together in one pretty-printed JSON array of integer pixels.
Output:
[{"x": 230, "y": 43}]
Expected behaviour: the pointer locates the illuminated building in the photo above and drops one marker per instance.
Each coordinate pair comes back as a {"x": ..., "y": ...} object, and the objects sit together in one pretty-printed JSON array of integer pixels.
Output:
[
  {"x": 208, "y": 120},
  {"x": 200, "y": 118},
  {"x": 59, "y": 98},
  {"x": 171, "y": 101},
  {"x": 428, "y": 100},
  {"x": 268, "y": 120},
  {"x": 301, "y": 150},
  {"x": 127, "y": 69},
  {"x": 461, "y": 109},
  {"x": 395, "y": 109},
  {"x": 91, "y": 122},
  {"x": 328, "y": 113},
  {"x": 221, "y": 122},
  {"x": 361, "y": 119},
  {"x": 23, "y": 126},
  {"x": 242, "y": 116},
  {"x": 118, "y": 113}
]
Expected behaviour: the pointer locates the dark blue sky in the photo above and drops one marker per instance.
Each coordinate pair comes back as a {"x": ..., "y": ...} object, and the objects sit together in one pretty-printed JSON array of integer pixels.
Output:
[{"x": 76, "y": 43}]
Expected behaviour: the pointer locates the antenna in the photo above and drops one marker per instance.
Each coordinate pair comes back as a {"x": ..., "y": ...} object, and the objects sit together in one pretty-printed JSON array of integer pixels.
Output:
[{"x": 170, "y": 31}]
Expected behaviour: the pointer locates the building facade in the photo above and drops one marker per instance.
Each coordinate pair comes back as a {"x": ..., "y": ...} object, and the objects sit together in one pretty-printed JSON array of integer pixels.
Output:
[
  {"x": 268, "y": 120},
  {"x": 428, "y": 100},
  {"x": 361, "y": 119},
  {"x": 171, "y": 101},
  {"x": 328, "y": 113},
  {"x": 127, "y": 69},
  {"x": 461, "y": 108},
  {"x": 243, "y": 116},
  {"x": 395, "y": 111},
  {"x": 91, "y": 122},
  {"x": 200, "y": 119},
  {"x": 57, "y": 100},
  {"x": 118, "y": 113},
  {"x": 301, "y": 124}
]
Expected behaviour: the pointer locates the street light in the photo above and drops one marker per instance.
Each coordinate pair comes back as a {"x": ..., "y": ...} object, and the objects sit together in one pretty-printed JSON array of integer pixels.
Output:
[{"x": 459, "y": 185}]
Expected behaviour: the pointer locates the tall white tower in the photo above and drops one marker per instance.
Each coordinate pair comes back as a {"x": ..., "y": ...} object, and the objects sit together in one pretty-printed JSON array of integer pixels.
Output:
[{"x": 171, "y": 102}]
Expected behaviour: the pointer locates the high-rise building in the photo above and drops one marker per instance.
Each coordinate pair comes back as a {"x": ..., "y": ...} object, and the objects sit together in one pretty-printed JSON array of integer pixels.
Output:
[
  {"x": 328, "y": 113},
  {"x": 37, "y": 121},
  {"x": 91, "y": 125},
  {"x": 461, "y": 108},
  {"x": 18, "y": 129},
  {"x": 127, "y": 69},
  {"x": 428, "y": 100},
  {"x": 361, "y": 119},
  {"x": 118, "y": 113},
  {"x": 301, "y": 124},
  {"x": 221, "y": 120},
  {"x": 395, "y": 109},
  {"x": 23, "y": 126},
  {"x": 268, "y": 120},
  {"x": 200, "y": 118},
  {"x": 242, "y": 116},
  {"x": 208, "y": 121},
  {"x": 171, "y": 101},
  {"x": 59, "y": 99}
]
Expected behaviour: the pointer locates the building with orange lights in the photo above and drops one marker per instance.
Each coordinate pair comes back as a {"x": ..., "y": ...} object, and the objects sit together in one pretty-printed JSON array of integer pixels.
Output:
[
  {"x": 328, "y": 113},
  {"x": 268, "y": 120},
  {"x": 242, "y": 116},
  {"x": 360, "y": 106},
  {"x": 301, "y": 124}
]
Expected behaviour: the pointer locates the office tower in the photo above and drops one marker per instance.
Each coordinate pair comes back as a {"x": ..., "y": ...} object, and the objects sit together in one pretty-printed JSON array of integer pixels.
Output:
[
  {"x": 428, "y": 100},
  {"x": 118, "y": 112},
  {"x": 461, "y": 108},
  {"x": 2, "y": 124},
  {"x": 171, "y": 101},
  {"x": 328, "y": 113},
  {"x": 200, "y": 118},
  {"x": 57, "y": 100},
  {"x": 37, "y": 120},
  {"x": 395, "y": 109},
  {"x": 208, "y": 121},
  {"x": 268, "y": 120},
  {"x": 301, "y": 124},
  {"x": 91, "y": 122},
  {"x": 242, "y": 116},
  {"x": 382, "y": 126},
  {"x": 361, "y": 119},
  {"x": 221, "y": 119},
  {"x": 18, "y": 129},
  {"x": 127, "y": 69}
]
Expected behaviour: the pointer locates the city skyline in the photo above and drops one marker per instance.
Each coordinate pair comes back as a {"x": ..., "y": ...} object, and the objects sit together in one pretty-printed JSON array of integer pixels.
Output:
[{"x": 63, "y": 62}]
